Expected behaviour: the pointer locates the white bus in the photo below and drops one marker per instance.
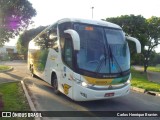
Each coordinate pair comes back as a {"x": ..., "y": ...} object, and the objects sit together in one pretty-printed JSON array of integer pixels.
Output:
[{"x": 83, "y": 59}]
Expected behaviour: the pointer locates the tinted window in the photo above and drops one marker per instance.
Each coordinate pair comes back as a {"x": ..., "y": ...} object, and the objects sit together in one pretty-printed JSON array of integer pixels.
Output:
[{"x": 68, "y": 52}]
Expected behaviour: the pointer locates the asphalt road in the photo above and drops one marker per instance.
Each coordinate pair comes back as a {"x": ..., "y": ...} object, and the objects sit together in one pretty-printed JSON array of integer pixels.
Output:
[
  {"x": 19, "y": 72},
  {"x": 44, "y": 99}
]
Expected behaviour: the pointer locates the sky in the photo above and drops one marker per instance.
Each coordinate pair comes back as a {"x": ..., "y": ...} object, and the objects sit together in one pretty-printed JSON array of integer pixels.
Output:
[{"x": 49, "y": 11}]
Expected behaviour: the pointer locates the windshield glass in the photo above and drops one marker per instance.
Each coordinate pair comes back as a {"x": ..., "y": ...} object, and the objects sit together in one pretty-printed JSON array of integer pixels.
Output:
[{"x": 102, "y": 50}]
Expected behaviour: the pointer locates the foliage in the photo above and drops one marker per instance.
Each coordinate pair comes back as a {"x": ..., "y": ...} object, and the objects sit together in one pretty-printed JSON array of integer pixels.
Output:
[
  {"x": 15, "y": 15},
  {"x": 139, "y": 79},
  {"x": 4, "y": 67},
  {"x": 154, "y": 59},
  {"x": 154, "y": 69},
  {"x": 25, "y": 37},
  {"x": 153, "y": 37},
  {"x": 13, "y": 97},
  {"x": 146, "y": 30},
  {"x": 158, "y": 66}
]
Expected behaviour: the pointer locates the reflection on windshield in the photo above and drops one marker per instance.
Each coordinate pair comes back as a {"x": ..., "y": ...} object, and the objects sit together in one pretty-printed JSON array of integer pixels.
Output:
[
  {"x": 94, "y": 54},
  {"x": 119, "y": 49}
]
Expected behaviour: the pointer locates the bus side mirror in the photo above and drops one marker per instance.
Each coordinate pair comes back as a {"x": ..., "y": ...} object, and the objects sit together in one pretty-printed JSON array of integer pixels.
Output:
[
  {"x": 75, "y": 38},
  {"x": 138, "y": 44}
]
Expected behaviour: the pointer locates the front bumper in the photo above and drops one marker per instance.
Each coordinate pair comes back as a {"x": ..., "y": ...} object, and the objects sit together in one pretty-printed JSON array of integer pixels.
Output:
[{"x": 81, "y": 93}]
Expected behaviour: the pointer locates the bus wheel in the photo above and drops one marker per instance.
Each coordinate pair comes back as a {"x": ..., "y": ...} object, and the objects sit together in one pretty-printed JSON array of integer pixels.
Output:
[
  {"x": 54, "y": 84},
  {"x": 32, "y": 71}
]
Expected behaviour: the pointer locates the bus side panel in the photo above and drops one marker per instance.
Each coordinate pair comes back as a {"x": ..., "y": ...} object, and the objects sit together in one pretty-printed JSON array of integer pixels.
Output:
[
  {"x": 55, "y": 65},
  {"x": 66, "y": 78},
  {"x": 51, "y": 65},
  {"x": 37, "y": 58}
]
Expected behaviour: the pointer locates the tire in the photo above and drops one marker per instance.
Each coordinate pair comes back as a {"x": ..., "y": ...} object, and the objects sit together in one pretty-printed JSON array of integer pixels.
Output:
[{"x": 54, "y": 83}]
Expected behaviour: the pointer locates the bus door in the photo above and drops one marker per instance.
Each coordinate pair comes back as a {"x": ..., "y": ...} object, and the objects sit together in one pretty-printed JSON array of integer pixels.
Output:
[{"x": 67, "y": 72}]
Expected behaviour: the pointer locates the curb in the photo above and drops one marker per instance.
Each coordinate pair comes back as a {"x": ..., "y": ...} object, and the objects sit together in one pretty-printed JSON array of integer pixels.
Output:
[
  {"x": 32, "y": 107},
  {"x": 10, "y": 69},
  {"x": 9, "y": 82},
  {"x": 144, "y": 91}
]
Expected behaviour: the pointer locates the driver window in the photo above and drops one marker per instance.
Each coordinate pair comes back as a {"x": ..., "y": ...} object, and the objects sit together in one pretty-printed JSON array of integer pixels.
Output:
[{"x": 68, "y": 50}]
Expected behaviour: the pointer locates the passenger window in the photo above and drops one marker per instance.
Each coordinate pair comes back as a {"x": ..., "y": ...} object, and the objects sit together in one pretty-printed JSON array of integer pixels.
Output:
[
  {"x": 42, "y": 41},
  {"x": 53, "y": 38}
]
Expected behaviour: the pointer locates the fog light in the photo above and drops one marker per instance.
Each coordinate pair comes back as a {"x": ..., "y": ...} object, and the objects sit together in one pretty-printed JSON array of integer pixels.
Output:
[{"x": 83, "y": 94}]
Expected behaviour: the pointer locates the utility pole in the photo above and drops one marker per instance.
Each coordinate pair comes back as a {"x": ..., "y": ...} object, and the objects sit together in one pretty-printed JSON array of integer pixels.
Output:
[{"x": 92, "y": 11}]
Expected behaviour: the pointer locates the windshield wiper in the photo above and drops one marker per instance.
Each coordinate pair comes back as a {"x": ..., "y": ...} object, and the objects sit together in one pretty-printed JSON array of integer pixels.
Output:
[
  {"x": 111, "y": 61},
  {"x": 102, "y": 59},
  {"x": 111, "y": 56}
]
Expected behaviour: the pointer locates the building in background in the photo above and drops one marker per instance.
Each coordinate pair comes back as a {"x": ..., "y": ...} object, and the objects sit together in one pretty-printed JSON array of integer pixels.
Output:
[
  {"x": 8, "y": 49},
  {"x": 8, "y": 53}
]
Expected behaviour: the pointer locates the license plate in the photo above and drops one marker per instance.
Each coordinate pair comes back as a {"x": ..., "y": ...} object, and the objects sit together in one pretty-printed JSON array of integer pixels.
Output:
[{"x": 109, "y": 94}]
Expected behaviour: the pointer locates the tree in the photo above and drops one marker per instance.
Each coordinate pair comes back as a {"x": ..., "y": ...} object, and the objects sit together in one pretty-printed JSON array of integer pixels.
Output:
[
  {"x": 154, "y": 59},
  {"x": 146, "y": 30},
  {"x": 25, "y": 37},
  {"x": 153, "y": 37},
  {"x": 15, "y": 15}
]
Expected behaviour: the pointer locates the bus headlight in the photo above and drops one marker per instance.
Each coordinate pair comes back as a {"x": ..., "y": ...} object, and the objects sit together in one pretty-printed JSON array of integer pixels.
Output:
[
  {"x": 84, "y": 84},
  {"x": 129, "y": 79}
]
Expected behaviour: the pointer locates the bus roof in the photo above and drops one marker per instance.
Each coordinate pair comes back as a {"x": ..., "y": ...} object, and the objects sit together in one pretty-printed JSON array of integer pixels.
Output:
[{"x": 90, "y": 21}]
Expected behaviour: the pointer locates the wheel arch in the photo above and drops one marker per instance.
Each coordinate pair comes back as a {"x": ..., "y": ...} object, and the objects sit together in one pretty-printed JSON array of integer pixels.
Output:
[
  {"x": 53, "y": 74},
  {"x": 54, "y": 82}
]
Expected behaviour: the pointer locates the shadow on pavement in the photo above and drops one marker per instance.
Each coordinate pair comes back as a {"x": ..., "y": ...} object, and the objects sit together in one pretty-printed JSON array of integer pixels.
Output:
[
  {"x": 5, "y": 80},
  {"x": 13, "y": 75}
]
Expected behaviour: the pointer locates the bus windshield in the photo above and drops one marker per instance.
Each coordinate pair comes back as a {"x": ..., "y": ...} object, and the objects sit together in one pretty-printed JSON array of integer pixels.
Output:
[{"x": 102, "y": 50}]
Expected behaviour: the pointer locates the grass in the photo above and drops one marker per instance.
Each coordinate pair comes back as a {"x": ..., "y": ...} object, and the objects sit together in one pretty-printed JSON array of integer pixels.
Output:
[
  {"x": 4, "y": 67},
  {"x": 154, "y": 69},
  {"x": 12, "y": 98},
  {"x": 139, "y": 79}
]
